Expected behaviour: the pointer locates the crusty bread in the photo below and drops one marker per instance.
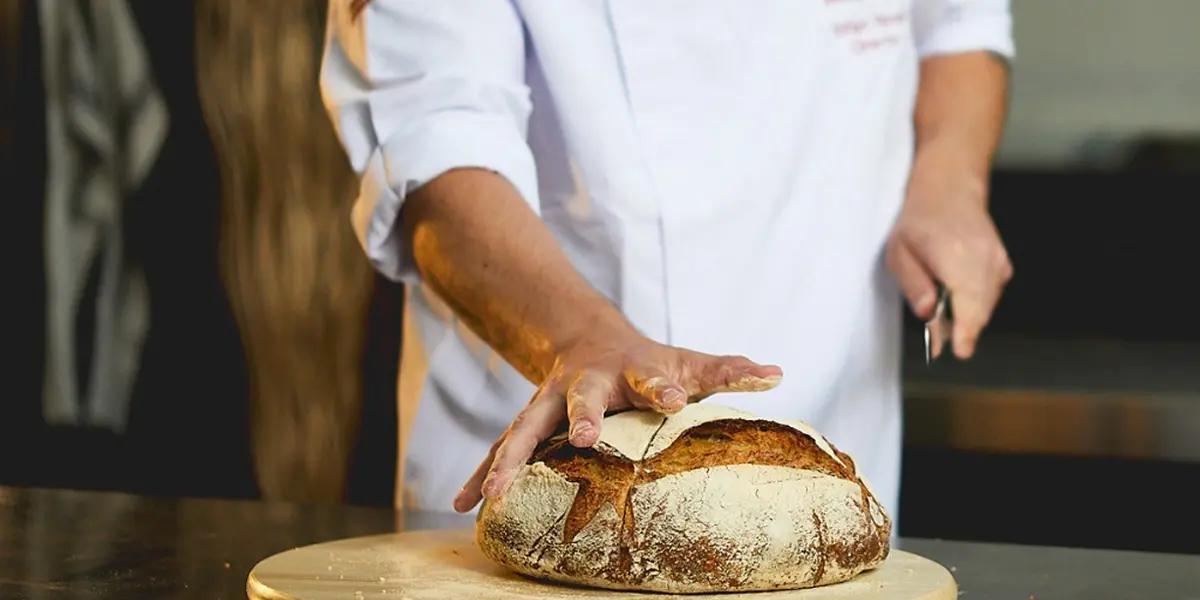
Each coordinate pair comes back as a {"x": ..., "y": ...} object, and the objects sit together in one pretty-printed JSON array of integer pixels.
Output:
[{"x": 707, "y": 500}]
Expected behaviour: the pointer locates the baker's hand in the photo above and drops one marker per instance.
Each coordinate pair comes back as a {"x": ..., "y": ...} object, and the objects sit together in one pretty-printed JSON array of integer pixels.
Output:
[
  {"x": 601, "y": 374},
  {"x": 944, "y": 233}
]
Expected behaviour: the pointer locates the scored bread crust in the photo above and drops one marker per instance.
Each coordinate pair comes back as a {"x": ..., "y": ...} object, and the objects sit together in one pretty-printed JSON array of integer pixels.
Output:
[{"x": 710, "y": 499}]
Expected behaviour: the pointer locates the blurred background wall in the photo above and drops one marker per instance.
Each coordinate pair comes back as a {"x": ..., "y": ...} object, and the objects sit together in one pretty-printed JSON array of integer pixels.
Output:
[{"x": 1094, "y": 73}]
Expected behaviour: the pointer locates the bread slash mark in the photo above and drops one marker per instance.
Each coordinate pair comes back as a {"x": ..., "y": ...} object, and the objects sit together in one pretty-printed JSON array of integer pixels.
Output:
[{"x": 605, "y": 477}]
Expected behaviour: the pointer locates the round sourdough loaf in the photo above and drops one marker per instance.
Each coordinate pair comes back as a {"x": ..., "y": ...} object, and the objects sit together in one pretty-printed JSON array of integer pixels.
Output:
[{"x": 710, "y": 499}]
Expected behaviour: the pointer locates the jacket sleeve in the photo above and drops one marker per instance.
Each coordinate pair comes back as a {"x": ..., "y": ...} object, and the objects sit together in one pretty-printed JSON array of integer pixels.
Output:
[
  {"x": 951, "y": 26},
  {"x": 416, "y": 88}
]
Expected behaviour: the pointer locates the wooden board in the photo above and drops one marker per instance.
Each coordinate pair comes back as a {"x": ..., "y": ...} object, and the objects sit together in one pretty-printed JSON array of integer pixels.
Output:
[{"x": 446, "y": 565}]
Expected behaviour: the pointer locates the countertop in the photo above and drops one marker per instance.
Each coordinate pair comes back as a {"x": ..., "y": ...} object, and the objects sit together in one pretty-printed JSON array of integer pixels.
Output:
[{"x": 73, "y": 544}]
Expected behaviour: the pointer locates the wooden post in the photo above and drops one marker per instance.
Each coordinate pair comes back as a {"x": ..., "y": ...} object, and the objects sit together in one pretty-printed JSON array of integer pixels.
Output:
[
  {"x": 10, "y": 60},
  {"x": 297, "y": 280}
]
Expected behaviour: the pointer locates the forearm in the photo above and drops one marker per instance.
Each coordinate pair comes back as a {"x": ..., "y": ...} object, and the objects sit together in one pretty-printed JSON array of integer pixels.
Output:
[
  {"x": 483, "y": 250},
  {"x": 961, "y": 105}
]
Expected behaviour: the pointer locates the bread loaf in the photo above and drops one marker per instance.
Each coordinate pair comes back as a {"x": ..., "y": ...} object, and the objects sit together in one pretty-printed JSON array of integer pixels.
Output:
[{"x": 708, "y": 500}]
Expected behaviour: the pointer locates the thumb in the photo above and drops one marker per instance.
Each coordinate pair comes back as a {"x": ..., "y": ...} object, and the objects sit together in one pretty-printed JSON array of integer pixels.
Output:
[
  {"x": 715, "y": 374},
  {"x": 915, "y": 281}
]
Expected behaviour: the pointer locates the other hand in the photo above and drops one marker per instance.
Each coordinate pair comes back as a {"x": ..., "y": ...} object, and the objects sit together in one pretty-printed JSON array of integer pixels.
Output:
[
  {"x": 945, "y": 233},
  {"x": 601, "y": 374}
]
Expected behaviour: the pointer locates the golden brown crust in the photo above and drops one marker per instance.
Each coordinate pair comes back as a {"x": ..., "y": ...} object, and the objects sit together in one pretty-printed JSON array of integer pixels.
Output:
[{"x": 604, "y": 477}]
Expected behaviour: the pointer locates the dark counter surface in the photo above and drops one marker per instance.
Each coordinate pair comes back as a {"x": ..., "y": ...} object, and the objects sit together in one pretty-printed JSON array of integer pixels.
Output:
[{"x": 69, "y": 544}]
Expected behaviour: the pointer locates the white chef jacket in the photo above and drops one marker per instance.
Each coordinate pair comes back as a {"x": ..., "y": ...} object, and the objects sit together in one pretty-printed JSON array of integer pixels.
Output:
[{"x": 725, "y": 172}]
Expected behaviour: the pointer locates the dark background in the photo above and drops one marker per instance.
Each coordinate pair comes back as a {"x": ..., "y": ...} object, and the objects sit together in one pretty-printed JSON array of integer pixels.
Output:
[{"x": 189, "y": 423}]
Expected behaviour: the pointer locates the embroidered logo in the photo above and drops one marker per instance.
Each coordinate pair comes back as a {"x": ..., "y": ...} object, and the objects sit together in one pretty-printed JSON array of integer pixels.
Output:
[{"x": 866, "y": 25}]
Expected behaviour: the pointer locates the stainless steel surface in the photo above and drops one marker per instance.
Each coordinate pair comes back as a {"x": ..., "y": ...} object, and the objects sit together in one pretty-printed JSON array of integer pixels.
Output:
[{"x": 1075, "y": 398}]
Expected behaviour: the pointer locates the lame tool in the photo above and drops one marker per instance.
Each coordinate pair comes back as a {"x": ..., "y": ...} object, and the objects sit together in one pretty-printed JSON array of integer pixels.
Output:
[{"x": 937, "y": 328}]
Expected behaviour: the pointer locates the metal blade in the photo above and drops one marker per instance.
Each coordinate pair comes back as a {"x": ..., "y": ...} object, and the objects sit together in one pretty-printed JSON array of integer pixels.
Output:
[{"x": 937, "y": 325}]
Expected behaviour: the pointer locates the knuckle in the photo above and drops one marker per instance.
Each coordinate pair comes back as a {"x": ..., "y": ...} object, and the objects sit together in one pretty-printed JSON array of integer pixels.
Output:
[
  {"x": 735, "y": 361},
  {"x": 547, "y": 386},
  {"x": 501, "y": 456},
  {"x": 584, "y": 403},
  {"x": 723, "y": 373},
  {"x": 889, "y": 259},
  {"x": 1005, "y": 265},
  {"x": 574, "y": 397},
  {"x": 577, "y": 390},
  {"x": 982, "y": 248},
  {"x": 597, "y": 383},
  {"x": 658, "y": 382},
  {"x": 639, "y": 401},
  {"x": 553, "y": 381},
  {"x": 521, "y": 421},
  {"x": 917, "y": 241},
  {"x": 892, "y": 249},
  {"x": 999, "y": 254}
]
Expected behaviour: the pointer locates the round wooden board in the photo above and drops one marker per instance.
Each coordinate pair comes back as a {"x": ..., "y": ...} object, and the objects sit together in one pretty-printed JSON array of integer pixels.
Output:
[{"x": 446, "y": 564}]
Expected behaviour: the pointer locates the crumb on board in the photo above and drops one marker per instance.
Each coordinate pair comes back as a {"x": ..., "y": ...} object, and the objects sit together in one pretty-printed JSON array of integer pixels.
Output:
[{"x": 226, "y": 565}]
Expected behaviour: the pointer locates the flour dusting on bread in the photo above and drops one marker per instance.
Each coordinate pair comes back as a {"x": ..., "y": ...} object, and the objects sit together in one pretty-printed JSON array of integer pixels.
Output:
[{"x": 710, "y": 499}]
